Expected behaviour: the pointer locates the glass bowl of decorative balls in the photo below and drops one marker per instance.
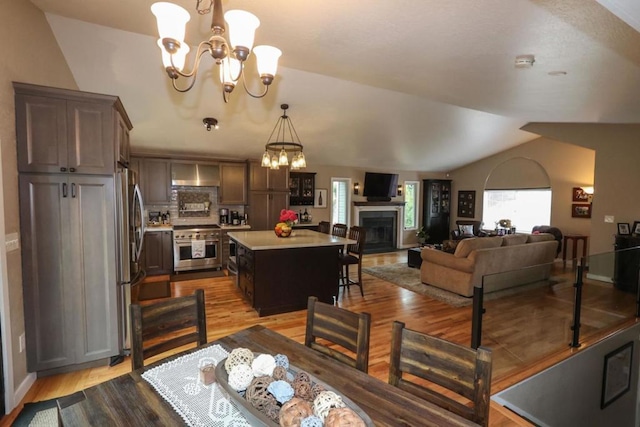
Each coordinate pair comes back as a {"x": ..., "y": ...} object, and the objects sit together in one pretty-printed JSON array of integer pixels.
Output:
[{"x": 271, "y": 392}]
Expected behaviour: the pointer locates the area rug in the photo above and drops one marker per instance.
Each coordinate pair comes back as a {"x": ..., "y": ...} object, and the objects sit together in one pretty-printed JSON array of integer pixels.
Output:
[
  {"x": 409, "y": 278},
  {"x": 38, "y": 414}
]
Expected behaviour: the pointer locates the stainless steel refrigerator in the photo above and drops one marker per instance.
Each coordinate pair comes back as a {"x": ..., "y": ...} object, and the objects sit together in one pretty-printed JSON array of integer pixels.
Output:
[{"x": 130, "y": 227}]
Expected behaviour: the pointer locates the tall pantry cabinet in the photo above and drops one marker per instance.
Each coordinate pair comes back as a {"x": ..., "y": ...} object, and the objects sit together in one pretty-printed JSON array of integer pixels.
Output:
[
  {"x": 268, "y": 195},
  {"x": 68, "y": 144}
]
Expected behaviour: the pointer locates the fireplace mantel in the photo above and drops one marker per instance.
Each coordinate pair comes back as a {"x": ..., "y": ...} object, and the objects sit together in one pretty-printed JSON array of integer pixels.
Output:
[{"x": 383, "y": 206}]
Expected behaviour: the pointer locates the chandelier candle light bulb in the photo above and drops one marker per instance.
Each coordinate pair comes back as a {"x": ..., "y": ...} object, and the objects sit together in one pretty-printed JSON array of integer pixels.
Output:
[{"x": 229, "y": 56}]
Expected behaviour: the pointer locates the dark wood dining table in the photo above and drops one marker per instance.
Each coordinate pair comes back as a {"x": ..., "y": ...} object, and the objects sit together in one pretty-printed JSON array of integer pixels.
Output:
[{"x": 129, "y": 400}]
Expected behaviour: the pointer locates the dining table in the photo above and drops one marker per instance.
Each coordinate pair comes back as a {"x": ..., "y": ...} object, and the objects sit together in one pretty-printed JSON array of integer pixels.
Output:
[{"x": 132, "y": 400}]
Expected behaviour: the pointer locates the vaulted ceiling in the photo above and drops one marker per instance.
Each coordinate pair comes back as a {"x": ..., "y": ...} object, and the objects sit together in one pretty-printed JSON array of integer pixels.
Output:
[{"x": 421, "y": 85}]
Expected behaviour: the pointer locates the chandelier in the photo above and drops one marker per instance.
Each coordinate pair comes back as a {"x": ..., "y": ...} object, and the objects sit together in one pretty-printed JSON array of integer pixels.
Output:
[
  {"x": 229, "y": 56},
  {"x": 276, "y": 149}
]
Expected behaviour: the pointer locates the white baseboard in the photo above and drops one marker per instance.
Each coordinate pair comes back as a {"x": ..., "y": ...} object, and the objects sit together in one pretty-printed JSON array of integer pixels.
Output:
[
  {"x": 600, "y": 278},
  {"x": 23, "y": 388}
]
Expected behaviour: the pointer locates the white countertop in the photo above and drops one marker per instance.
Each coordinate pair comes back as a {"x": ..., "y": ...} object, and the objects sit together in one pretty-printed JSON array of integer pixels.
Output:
[
  {"x": 169, "y": 227},
  {"x": 264, "y": 240}
]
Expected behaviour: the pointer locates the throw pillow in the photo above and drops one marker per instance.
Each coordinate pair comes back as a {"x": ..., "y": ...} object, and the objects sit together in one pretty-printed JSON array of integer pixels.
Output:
[
  {"x": 514, "y": 239},
  {"x": 466, "y": 230}
]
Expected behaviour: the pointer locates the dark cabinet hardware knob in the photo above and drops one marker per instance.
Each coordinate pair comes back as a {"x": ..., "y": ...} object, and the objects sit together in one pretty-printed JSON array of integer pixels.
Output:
[
  {"x": 63, "y": 169},
  {"x": 72, "y": 169}
]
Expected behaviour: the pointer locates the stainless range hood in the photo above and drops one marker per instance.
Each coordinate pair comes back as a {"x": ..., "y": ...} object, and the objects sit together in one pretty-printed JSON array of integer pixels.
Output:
[{"x": 195, "y": 174}]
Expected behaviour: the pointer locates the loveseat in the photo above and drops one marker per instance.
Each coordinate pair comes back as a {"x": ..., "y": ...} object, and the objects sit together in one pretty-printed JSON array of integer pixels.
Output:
[{"x": 521, "y": 258}]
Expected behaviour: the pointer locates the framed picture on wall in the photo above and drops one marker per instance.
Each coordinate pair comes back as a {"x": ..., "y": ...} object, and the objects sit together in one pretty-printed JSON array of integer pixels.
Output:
[
  {"x": 623, "y": 229},
  {"x": 636, "y": 228},
  {"x": 616, "y": 380},
  {"x": 466, "y": 204},
  {"x": 579, "y": 195},
  {"x": 320, "y": 199},
  {"x": 581, "y": 210}
]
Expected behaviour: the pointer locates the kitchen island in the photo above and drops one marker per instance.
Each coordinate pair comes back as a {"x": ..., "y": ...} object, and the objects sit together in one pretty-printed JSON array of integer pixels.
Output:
[{"x": 277, "y": 275}]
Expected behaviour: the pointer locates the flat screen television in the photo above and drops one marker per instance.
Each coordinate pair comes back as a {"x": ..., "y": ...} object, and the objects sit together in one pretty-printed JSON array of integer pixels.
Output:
[{"x": 380, "y": 186}]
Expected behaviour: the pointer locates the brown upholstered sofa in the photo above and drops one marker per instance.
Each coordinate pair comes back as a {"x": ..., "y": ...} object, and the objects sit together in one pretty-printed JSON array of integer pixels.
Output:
[{"x": 513, "y": 255}]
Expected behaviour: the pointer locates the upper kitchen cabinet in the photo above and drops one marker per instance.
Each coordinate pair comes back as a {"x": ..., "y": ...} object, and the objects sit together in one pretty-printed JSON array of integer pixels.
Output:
[
  {"x": 267, "y": 179},
  {"x": 61, "y": 130},
  {"x": 301, "y": 188},
  {"x": 233, "y": 184},
  {"x": 155, "y": 181}
]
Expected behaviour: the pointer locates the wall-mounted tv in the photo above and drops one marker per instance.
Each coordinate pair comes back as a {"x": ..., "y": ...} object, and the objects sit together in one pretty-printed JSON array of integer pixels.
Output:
[{"x": 380, "y": 186}]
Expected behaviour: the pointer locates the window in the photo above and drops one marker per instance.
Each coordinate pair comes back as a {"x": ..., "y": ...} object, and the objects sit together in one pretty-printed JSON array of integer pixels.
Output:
[
  {"x": 340, "y": 200},
  {"x": 525, "y": 208},
  {"x": 411, "y": 204}
]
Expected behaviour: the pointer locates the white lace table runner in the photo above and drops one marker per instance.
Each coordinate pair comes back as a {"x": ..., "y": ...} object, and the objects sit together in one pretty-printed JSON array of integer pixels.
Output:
[{"x": 178, "y": 382}]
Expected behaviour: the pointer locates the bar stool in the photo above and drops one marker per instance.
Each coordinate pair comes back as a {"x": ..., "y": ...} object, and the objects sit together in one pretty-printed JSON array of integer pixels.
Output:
[{"x": 575, "y": 238}]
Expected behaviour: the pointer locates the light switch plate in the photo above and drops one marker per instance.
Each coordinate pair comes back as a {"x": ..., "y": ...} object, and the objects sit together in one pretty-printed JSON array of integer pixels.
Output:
[{"x": 609, "y": 218}]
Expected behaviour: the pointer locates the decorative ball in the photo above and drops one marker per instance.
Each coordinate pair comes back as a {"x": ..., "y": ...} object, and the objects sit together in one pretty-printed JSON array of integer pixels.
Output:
[
  {"x": 343, "y": 417},
  {"x": 280, "y": 373},
  {"x": 301, "y": 377},
  {"x": 311, "y": 421},
  {"x": 303, "y": 390},
  {"x": 272, "y": 410},
  {"x": 326, "y": 401},
  {"x": 316, "y": 390},
  {"x": 240, "y": 377},
  {"x": 294, "y": 411},
  {"x": 257, "y": 392},
  {"x": 281, "y": 390},
  {"x": 264, "y": 364},
  {"x": 238, "y": 356},
  {"x": 282, "y": 360}
]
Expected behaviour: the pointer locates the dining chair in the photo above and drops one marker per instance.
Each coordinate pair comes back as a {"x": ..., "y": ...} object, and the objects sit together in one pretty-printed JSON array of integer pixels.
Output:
[
  {"x": 339, "y": 230},
  {"x": 165, "y": 325},
  {"x": 324, "y": 227},
  {"x": 353, "y": 256},
  {"x": 462, "y": 370},
  {"x": 336, "y": 325}
]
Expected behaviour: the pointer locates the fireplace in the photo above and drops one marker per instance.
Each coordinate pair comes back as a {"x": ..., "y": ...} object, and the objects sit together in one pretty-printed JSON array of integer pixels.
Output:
[
  {"x": 381, "y": 231},
  {"x": 383, "y": 222}
]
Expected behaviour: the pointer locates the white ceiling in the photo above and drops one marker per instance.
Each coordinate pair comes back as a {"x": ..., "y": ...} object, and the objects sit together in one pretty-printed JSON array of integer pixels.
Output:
[{"x": 426, "y": 85}]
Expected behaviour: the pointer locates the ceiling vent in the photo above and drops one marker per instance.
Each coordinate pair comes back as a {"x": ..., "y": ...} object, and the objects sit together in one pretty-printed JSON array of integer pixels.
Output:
[{"x": 524, "y": 61}]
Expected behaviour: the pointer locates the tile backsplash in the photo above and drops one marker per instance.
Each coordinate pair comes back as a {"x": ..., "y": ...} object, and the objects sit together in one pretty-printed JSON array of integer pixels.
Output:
[{"x": 193, "y": 195}]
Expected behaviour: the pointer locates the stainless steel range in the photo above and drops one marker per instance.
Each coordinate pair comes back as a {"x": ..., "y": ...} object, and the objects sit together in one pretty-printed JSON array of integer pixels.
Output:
[{"x": 196, "y": 247}]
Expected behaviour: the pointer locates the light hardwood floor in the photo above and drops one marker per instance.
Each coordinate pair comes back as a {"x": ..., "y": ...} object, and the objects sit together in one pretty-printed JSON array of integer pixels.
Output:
[{"x": 527, "y": 333}]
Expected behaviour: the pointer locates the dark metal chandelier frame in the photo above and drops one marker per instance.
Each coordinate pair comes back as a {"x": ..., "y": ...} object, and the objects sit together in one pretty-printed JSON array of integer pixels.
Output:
[{"x": 276, "y": 149}]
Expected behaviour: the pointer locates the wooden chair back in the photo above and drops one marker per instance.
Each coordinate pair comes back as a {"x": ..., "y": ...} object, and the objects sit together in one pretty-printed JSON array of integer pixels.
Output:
[
  {"x": 165, "y": 325},
  {"x": 338, "y": 326},
  {"x": 324, "y": 227},
  {"x": 339, "y": 230},
  {"x": 463, "y": 370},
  {"x": 359, "y": 234}
]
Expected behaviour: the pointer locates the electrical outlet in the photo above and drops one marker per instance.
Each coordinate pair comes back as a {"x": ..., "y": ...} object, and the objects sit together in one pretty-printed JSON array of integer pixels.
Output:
[
  {"x": 609, "y": 219},
  {"x": 21, "y": 343},
  {"x": 12, "y": 242}
]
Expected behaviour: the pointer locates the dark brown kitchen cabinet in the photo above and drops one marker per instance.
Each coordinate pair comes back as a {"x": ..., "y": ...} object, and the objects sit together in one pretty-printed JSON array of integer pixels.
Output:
[
  {"x": 436, "y": 208},
  {"x": 155, "y": 179},
  {"x": 267, "y": 179},
  {"x": 158, "y": 252},
  {"x": 233, "y": 184},
  {"x": 301, "y": 188},
  {"x": 265, "y": 207},
  {"x": 268, "y": 196},
  {"x": 68, "y": 230},
  {"x": 65, "y": 131}
]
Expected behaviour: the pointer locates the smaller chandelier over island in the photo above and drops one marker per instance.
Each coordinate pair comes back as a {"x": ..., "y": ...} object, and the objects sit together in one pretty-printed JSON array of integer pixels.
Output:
[
  {"x": 283, "y": 140},
  {"x": 229, "y": 56}
]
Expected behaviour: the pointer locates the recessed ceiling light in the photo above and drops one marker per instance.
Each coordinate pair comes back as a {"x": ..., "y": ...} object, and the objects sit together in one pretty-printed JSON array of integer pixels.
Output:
[
  {"x": 557, "y": 73},
  {"x": 524, "y": 61}
]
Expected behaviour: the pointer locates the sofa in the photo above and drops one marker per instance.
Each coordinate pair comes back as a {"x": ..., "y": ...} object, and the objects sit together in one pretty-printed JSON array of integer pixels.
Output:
[{"x": 520, "y": 258}]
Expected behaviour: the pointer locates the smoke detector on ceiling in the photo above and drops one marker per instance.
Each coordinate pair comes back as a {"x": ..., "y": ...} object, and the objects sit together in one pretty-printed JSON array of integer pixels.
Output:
[{"x": 525, "y": 61}]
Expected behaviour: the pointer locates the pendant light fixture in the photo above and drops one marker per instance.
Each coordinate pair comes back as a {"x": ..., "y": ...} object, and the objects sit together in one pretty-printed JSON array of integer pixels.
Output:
[
  {"x": 282, "y": 141},
  {"x": 229, "y": 56}
]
